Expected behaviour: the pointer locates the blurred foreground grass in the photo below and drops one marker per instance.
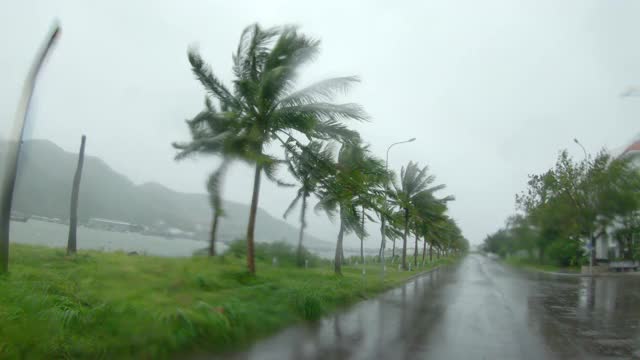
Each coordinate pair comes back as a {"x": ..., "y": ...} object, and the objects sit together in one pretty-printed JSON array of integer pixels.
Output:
[{"x": 111, "y": 305}]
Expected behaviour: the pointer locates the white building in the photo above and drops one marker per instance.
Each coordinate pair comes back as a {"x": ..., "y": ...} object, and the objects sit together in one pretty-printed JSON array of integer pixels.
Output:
[{"x": 607, "y": 247}]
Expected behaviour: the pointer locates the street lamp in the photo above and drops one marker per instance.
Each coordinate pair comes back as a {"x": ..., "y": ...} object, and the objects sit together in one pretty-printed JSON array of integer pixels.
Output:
[
  {"x": 384, "y": 222},
  {"x": 591, "y": 249},
  {"x": 386, "y": 164},
  {"x": 583, "y": 149}
]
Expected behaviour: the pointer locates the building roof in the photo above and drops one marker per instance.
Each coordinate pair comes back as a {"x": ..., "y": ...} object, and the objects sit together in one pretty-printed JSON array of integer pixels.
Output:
[{"x": 633, "y": 147}]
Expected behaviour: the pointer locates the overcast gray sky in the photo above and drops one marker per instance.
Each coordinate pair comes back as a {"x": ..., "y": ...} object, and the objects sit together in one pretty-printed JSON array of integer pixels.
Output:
[{"x": 491, "y": 89}]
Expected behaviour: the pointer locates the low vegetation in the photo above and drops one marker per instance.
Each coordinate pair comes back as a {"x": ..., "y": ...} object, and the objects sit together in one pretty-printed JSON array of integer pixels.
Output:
[{"x": 112, "y": 305}]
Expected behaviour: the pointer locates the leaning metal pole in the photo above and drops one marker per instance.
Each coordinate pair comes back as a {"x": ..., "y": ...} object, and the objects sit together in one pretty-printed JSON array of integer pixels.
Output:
[{"x": 13, "y": 148}]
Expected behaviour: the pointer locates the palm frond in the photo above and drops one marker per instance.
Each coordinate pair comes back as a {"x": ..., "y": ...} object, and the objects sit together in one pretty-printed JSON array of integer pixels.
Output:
[
  {"x": 292, "y": 205},
  {"x": 214, "y": 186},
  {"x": 324, "y": 90},
  {"x": 211, "y": 83},
  {"x": 253, "y": 50},
  {"x": 212, "y": 145},
  {"x": 332, "y": 129},
  {"x": 326, "y": 111},
  {"x": 270, "y": 168}
]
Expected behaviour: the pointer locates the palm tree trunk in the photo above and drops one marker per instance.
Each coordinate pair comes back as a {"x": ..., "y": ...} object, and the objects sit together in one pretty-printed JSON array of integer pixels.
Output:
[
  {"x": 212, "y": 235},
  {"x": 593, "y": 250},
  {"x": 251, "y": 227},
  {"x": 424, "y": 248},
  {"x": 430, "y": 251},
  {"x": 393, "y": 250},
  {"x": 415, "y": 253},
  {"x": 75, "y": 191},
  {"x": 404, "y": 239},
  {"x": 339, "y": 258},
  {"x": 362, "y": 239},
  {"x": 383, "y": 237},
  {"x": 303, "y": 224}
]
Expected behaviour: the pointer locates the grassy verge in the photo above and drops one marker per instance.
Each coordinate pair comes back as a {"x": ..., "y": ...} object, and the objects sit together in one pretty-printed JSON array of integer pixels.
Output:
[
  {"x": 111, "y": 305},
  {"x": 535, "y": 265}
]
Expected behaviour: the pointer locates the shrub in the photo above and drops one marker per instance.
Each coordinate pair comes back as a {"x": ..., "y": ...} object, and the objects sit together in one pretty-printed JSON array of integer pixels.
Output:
[
  {"x": 566, "y": 253},
  {"x": 308, "y": 304},
  {"x": 284, "y": 252}
]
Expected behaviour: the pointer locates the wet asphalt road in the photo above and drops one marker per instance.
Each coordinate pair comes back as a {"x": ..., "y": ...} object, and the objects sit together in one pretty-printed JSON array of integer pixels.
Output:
[{"x": 477, "y": 309}]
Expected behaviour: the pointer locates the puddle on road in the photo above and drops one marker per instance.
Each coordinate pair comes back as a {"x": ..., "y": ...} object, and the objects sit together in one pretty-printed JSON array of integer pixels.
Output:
[{"x": 600, "y": 315}]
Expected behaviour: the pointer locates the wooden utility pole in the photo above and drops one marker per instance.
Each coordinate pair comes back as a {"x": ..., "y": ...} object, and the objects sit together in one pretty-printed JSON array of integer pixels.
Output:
[{"x": 73, "y": 216}]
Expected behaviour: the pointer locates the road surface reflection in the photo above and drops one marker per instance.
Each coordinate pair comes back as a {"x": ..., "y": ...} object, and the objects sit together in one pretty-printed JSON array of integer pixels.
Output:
[{"x": 477, "y": 309}]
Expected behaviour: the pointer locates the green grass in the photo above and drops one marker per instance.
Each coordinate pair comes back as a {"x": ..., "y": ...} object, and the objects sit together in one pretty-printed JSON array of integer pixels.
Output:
[
  {"x": 103, "y": 305},
  {"x": 535, "y": 265}
]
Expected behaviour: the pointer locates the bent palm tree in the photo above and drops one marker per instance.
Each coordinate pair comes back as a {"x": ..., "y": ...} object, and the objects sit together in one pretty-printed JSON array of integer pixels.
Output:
[
  {"x": 429, "y": 213},
  {"x": 373, "y": 182},
  {"x": 415, "y": 183},
  {"x": 210, "y": 134},
  {"x": 350, "y": 183},
  {"x": 384, "y": 213},
  {"x": 310, "y": 166},
  {"x": 264, "y": 105}
]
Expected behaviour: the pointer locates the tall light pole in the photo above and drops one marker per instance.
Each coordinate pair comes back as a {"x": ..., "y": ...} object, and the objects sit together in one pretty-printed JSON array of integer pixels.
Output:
[
  {"x": 591, "y": 246},
  {"x": 383, "y": 220},
  {"x": 583, "y": 149},
  {"x": 386, "y": 163}
]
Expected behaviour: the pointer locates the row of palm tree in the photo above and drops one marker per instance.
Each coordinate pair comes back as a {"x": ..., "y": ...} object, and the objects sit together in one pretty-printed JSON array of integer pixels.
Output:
[{"x": 263, "y": 108}]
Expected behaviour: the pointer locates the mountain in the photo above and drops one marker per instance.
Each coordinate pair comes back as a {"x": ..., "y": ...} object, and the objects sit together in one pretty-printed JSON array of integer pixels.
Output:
[{"x": 44, "y": 188}]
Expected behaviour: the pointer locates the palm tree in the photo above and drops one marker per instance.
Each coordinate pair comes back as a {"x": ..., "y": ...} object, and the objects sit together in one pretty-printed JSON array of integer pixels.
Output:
[
  {"x": 428, "y": 211},
  {"x": 345, "y": 192},
  {"x": 414, "y": 184},
  {"x": 264, "y": 105},
  {"x": 374, "y": 180},
  {"x": 395, "y": 223},
  {"x": 210, "y": 135},
  {"x": 437, "y": 230},
  {"x": 310, "y": 166},
  {"x": 385, "y": 215}
]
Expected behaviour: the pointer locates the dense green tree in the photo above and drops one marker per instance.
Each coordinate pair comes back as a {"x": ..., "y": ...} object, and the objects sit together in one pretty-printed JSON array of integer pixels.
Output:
[
  {"x": 627, "y": 235},
  {"x": 571, "y": 204},
  {"x": 264, "y": 106}
]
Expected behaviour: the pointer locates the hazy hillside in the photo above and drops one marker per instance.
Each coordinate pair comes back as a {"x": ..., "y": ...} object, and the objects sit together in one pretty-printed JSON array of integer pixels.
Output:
[{"x": 44, "y": 188}]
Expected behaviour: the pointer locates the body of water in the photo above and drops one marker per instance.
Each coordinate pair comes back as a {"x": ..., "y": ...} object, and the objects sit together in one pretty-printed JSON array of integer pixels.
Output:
[{"x": 55, "y": 235}]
